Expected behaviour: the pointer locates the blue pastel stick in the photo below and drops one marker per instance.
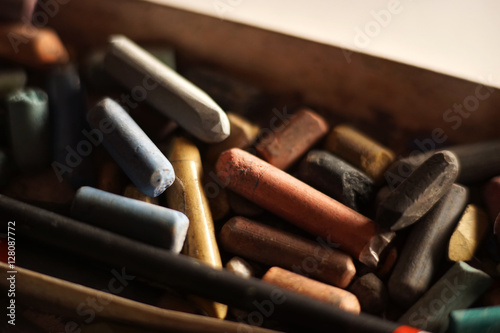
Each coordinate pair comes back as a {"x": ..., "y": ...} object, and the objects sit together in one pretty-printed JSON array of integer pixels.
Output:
[
  {"x": 131, "y": 148},
  {"x": 142, "y": 221}
]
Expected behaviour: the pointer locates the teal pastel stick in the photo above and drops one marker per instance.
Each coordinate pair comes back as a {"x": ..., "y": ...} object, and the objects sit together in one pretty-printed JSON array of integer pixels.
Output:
[
  {"x": 484, "y": 320},
  {"x": 131, "y": 148},
  {"x": 139, "y": 220},
  {"x": 28, "y": 120}
]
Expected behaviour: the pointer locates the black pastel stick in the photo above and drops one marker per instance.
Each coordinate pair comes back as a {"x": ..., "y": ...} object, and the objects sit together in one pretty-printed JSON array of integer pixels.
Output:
[
  {"x": 337, "y": 178},
  {"x": 425, "y": 248},
  {"x": 177, "y": 271},
  {"x": 419, "y": 192}
]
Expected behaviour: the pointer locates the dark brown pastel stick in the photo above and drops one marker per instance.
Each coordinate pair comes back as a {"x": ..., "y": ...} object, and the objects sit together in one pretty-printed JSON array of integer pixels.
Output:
[
  {"x": 274, "y": 247},
  {"x": 388, "y": 263},
  {"x": 334, "y": 296},
  {"x": 286, "y": 146},
  {"x": 478, "y": 162},
  {"x": 337, "y": 178},
  {"x": 111, "y": 178},
  {"x": 425, "y": 247},
  {"x": 491, "y": 196},
  {"x": 302, "y": 205},
  {"x": 371, "y": 293},
  {"x": 31, "y": 46},
  {"x": 417, "y": 194}
]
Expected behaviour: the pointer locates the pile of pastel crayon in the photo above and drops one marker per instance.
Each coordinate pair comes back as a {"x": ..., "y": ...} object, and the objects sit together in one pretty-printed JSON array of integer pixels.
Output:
[{"x": 142, "y": 196}]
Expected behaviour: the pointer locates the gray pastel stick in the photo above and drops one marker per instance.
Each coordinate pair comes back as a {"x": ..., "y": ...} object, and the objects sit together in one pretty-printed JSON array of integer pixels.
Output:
[
  {"x": 419, "y": 192},
  {"x": 149, "y": 79},
  {"x": 137, "y": 155},
  {"x": 425, "y": 247},
  {"x": 337, "y": 178},
  {"x": 457, "y": 289},
  {"x": 149, "y": 223}
]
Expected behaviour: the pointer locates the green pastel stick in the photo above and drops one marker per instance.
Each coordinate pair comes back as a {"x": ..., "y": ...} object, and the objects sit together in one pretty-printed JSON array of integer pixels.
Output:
[{"x": 485, "y": 320}]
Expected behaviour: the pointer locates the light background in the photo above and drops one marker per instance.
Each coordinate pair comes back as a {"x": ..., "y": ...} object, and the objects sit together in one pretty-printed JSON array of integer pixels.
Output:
[{"x": 454, "y": 37}]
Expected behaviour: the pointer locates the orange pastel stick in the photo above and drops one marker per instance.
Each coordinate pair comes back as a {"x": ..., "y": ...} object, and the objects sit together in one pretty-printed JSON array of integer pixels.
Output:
[{"x": 302, "y": 205}]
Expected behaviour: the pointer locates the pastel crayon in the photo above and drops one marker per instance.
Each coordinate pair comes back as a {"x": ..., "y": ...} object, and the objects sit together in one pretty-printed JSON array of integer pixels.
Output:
[
  {"x": 171, "y": 94},
  {"x": 274, "y": 247},
  {"x": 130, "y": 147},
  {"x": 152, "y": 224},
  {"x": 31, "y": 46},
  {"x": 475, "y": 320},
  {"x": 458, "y": 288},
  {"x": 151, "y": 263},
  {"x": 416, "y": 195},
  {"x": 337, "y": 179},
  {"x": 361, "y": 151},
  {"x": 67, "y": 103},
  {"x": 468, "y": 234},
  {"x": 12, "y": 79},
  {"x": 371, "y": 293},
  {"x": 331, "y": 295},
  {"x": 491, "y": 195},
  {"x": 28, "y": 121},
  {"x": 424, "y": 248},
  {"x": 478, "y": 161},
  {"x": 302, "y": 131},
  {"x": 228, "y": 91},
  {"x": 297, "y": 202},
  {"x": 240, "y": 266},
  {"x": 388, "y": 262},
  {"x": 187, "y": 195},
  {"x": 64, "y": 297},
  {"x": 242, "y": 134}
]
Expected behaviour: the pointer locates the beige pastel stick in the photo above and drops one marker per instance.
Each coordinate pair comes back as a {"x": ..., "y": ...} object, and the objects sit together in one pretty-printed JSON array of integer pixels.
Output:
[
  {"x": 361, "y": 151},
  {"x": 187, "y": 196},
  {"x": 337, "y": 297},
  {"x": 54, "y": 294},
  {"x": 468, "y": 234}
]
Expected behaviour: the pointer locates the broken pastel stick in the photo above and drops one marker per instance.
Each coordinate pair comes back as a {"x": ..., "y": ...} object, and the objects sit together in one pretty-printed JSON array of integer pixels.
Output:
[
  {"x": 468, "y": 234},
  {"x": 130, "y": 147},
  {"x": 171, "y": 94},
  {"x": 337, "y": 179},
  {"x": 356, "y": 148},
  {"x": 458, "y": 288},
  {"x": 287, "y": 145},
  {"x": 425, "y": 247},
  {"x": 416, "y": 195},
  {"x": 152, "y": 224},
  {"x": 271, "y": 246},
  {"x": 304, "y": 206}
]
